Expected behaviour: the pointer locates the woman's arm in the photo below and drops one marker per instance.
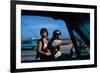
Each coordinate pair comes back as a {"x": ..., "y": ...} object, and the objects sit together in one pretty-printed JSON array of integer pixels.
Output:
[
  {"x": 40, "y": 51},
  {"x": 40, "y": 48}
]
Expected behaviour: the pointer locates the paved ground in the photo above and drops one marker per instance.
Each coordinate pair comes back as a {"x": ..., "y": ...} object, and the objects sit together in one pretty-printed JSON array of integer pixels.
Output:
[{"x": 29, "y": 55}]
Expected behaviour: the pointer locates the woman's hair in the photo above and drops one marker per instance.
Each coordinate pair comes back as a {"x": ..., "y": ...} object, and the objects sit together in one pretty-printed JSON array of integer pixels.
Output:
[{"x": 43, "y": 30}]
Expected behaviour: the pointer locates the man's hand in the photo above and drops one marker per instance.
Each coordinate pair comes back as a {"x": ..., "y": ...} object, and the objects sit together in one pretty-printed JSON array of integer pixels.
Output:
[{"x": 58, "y": 54}]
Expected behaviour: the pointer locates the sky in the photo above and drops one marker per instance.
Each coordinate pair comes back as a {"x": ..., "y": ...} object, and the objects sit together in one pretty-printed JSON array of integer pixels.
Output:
[{"x": 31, "y": 25}]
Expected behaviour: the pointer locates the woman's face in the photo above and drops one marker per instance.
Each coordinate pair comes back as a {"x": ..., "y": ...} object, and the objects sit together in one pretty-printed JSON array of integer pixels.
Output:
[{"x": 44, "y": 34}]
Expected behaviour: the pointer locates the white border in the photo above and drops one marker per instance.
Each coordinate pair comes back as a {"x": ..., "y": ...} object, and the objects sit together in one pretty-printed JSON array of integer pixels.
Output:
[{"x": 20, "y": 65}]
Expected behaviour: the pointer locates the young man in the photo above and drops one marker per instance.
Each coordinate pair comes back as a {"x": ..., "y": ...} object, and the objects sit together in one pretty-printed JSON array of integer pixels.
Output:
[{"x": 56, "y": 42}]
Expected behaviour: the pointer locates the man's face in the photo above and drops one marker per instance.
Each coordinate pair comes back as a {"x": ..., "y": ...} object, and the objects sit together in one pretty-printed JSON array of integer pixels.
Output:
[{"x": 58, "y": 36}]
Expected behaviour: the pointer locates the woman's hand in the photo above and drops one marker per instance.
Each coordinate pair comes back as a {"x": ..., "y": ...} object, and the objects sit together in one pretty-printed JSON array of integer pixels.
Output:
[{"x": 48, "y": 53}]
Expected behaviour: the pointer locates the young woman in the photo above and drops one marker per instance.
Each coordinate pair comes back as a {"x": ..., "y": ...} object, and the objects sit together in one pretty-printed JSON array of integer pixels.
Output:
[{"x": 44, "y": 51}]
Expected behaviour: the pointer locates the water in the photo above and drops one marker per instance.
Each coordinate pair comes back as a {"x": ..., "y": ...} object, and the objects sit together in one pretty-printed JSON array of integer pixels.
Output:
[{"x": 32, "y": 45}]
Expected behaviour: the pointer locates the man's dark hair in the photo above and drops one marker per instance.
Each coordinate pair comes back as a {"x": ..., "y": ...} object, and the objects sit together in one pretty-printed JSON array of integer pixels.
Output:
[{"x": 56, "y": 33}]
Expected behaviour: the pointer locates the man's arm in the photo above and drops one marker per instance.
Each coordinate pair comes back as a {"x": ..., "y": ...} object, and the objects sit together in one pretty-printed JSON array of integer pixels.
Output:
[
  {"x": 66, "y": 42},
  {"x": 61, "y": 42}
]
